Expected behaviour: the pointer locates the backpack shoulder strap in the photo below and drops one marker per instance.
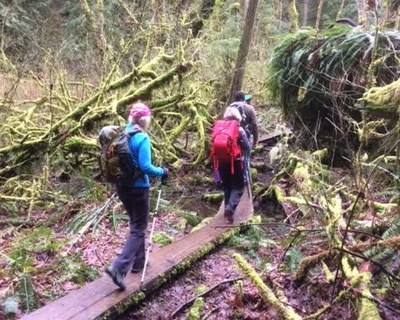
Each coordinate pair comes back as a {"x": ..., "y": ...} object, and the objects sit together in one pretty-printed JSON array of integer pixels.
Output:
[
  {"x": 240, "y": 106},
  {"x": 133, "y": 130}
]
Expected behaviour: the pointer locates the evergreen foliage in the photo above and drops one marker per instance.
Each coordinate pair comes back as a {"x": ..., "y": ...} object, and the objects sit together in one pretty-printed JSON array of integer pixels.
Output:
[{"x": 318, "y": 78}]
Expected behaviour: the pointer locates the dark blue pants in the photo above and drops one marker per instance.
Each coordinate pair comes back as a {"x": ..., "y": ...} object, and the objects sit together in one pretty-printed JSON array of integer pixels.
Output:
[
  {"x": 136, "y": 202},
  {"x": 233, "y": 184}
]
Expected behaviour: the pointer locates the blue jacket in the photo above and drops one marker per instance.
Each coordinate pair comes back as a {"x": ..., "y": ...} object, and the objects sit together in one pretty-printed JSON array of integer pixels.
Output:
[{"x": 140, "y": 147}]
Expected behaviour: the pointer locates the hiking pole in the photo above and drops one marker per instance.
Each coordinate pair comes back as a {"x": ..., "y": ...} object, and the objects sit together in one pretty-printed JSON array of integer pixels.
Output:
[
  {"x": 249, "y": 182},
  {"x": 151, "y": 236}
]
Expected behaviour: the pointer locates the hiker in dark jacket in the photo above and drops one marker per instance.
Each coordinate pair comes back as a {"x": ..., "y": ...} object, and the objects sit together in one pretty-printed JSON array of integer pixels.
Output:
[
  {"x": 233, "y": 184},
  {"x": 135, "y": 196},
  {"x": 249, "y": 124},
  {"x": 249, "y": 117}
]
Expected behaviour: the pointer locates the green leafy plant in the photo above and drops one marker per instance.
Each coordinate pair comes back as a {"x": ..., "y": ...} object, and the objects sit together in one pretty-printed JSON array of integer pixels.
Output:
[
  {"x": 27, "y": 293},
  {"x": 293, "y": 257},
  {"x": 253, "y": 238},
  {"x": 24, "y": 250},
  {"x": 72, "y": 268}
]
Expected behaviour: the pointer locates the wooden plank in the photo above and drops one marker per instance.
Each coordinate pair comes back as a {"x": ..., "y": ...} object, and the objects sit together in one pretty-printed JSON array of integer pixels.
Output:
[
  {"x": 101, "y": 298},
  {"x": 273, "y": 135}
]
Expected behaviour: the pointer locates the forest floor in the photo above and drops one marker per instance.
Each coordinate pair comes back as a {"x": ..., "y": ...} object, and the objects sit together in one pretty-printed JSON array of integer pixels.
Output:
[
  {"x": 226, "y": 292},
  {"x": 269, "y": 247}
]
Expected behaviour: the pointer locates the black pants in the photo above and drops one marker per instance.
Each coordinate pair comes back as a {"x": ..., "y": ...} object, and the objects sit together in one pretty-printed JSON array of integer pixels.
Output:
[
  {"x": 136, "y": 202},
  {"x": 233, "y": 184}
]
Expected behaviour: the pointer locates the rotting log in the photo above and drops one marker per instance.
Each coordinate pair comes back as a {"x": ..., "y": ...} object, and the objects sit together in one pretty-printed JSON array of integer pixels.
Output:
[
  {"x": 286, "y": 312},
  {"x": 361, "y": 279}
]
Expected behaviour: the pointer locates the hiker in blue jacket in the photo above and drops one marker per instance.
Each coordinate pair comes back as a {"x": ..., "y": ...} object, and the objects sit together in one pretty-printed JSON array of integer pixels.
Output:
[
  {"x": 135, "y": 196},
  {"x": 233, "y": 184}
]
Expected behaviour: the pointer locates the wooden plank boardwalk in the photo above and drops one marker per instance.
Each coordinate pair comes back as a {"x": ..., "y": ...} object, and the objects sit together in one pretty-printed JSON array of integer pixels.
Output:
[{"x": 101, "y": 298}]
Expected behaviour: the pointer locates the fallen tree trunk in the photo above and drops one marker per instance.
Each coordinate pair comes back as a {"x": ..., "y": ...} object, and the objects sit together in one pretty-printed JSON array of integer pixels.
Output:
[{"x": 286, "y": 312}]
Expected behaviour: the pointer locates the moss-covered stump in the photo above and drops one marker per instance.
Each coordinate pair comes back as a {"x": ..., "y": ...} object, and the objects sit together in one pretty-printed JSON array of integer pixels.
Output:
[{"x": 329, "y": 71}]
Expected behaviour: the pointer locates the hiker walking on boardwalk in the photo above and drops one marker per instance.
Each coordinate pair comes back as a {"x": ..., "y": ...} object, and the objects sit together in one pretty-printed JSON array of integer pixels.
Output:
[
  {"x": 249, "y": 124},
  {"x": 249, "y": 118},
  {"x": 230, "y": 143},
  {"x": 134, "y": 195}
]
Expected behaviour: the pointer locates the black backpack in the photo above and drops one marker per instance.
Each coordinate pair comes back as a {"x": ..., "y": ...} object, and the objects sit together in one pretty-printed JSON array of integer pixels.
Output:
[{"x": 115, "y": 158}]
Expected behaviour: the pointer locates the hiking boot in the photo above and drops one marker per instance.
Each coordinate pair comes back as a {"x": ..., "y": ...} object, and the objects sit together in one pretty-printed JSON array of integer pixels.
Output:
[
  {"x": 116, "y": 277},
  {"x": 228, "y": 215},
  {"x": 137, "y": 269}
]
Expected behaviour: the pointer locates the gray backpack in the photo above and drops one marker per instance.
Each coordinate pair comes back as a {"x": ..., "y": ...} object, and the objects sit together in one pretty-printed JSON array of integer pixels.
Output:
[
  {"x": 240, "y": 106},
  {"x": 115, "y": 159}
]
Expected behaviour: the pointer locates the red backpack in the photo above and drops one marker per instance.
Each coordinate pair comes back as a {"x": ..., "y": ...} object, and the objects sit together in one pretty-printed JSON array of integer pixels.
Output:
[{"x": 225, "y": 147}]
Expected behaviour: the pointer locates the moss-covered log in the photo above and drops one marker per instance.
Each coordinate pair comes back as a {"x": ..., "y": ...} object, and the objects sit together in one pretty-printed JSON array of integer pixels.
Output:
[
  {"x": 59, "y": 133},
  {"x": 386, "y": 98},
  {"x": 286, "y": 312}
]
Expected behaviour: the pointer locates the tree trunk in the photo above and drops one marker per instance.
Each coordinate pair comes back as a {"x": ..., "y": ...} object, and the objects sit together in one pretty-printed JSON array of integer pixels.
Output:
[
  {"x": 362, "y": 14},
  {"x": 95, "y": 26},
  {"x": 237, "y": 80},
  {"x": 319, "y": 13},
  {"x": 305, "y": 13},
  {"x": 339, "y": 13},
  {"x": 392, "y": 15},
  {"x": 293, "y": 16}
]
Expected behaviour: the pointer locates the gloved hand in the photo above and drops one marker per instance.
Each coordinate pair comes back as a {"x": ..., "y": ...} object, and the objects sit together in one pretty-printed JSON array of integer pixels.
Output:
[{"x": 164, "y": 177}]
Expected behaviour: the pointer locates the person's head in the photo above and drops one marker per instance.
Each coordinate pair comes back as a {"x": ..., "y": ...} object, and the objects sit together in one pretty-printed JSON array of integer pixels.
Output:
[
  {"x": 247, "y": 98},
  {"x": 239, "y": 96},
  {"x": 140, "y": 114},
  {"x": 232, "y": 113}
]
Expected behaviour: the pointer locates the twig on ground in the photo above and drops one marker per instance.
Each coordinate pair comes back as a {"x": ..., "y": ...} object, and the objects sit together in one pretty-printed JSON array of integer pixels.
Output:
[
  {"x": 187, "y": 303},
  {"x": 288, "y": 247},
  {"x": 209, "y": 313}
]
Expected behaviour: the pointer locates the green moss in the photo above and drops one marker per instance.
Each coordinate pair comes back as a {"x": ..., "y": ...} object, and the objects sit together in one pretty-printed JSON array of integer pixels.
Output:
[
  {"x": 203, "y": 223},
  {"x": 123, "y": 305},
  {"x": 385, "y": 98},
  {"x": 256, "y": 219},
  {"x": 320, "y": 154},
  {"x": 162, "y": 238},
  {"x": 195, "y": 310},
  {"x": 368, "y": 310},
  {"x": 181, "y": 225},
  {"x": 198, "y": 180},
  {"x": 253, "y": 173},
  {"x": 279, "y": 193},
  {"x": 191, "y": 217},
  {"x": 200, "y": 289},
  {"x": 213, "y": 197},
  {"x": 286, "y": 312}
]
